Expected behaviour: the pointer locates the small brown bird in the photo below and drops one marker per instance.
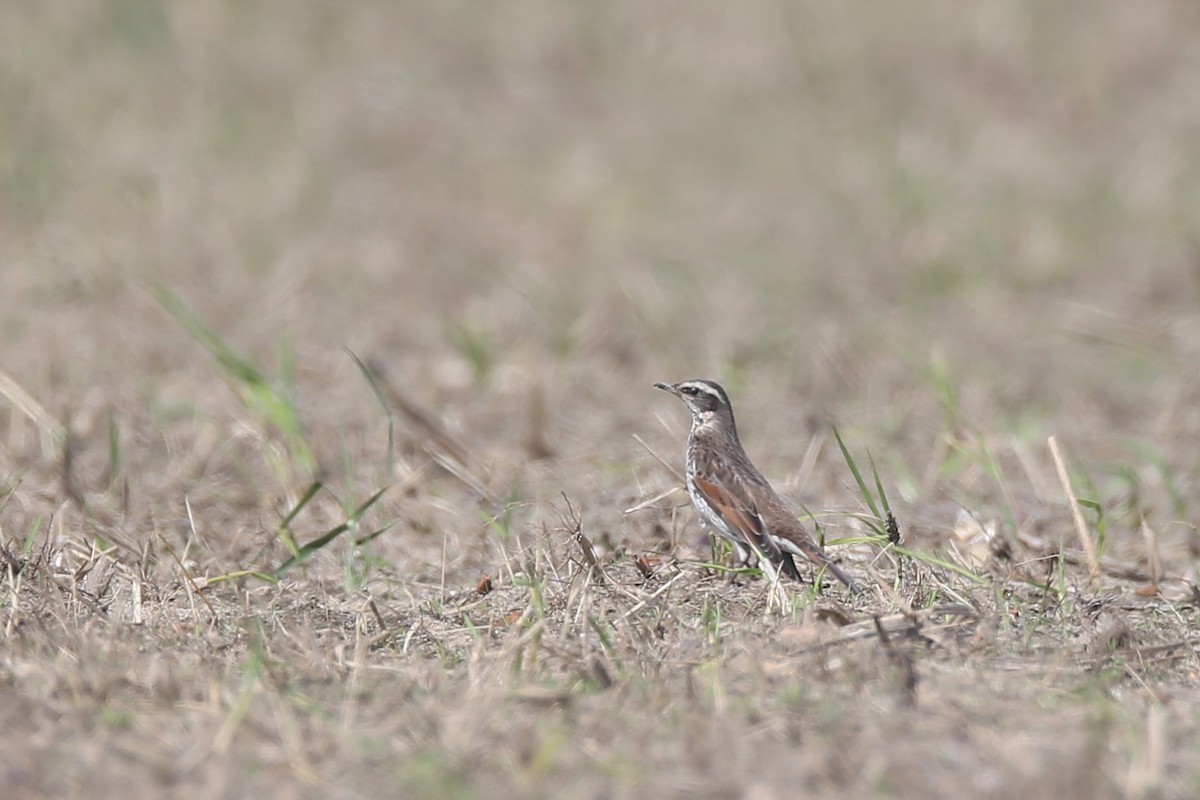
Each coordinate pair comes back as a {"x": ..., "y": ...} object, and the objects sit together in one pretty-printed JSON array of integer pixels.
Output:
[{"x": 731, "y": 494}]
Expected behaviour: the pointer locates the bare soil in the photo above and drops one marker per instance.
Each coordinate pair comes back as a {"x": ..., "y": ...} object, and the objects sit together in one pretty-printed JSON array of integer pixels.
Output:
[{"x": 953, "y": 234}]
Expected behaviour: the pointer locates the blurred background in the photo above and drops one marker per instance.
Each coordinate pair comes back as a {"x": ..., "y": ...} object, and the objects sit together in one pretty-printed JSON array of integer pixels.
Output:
[
  {"x": 951, "y": 229},
  {"x": 913, "y": 219}
]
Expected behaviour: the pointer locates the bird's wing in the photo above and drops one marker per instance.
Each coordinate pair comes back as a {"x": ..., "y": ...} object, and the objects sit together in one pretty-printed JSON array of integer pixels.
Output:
[
  {"x": 737, "y": 509},
  {"x": 772, "y": 528}
]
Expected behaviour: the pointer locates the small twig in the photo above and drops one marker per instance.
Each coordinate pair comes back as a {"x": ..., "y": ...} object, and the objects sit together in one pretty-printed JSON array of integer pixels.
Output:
[
  {"x": 645, "y": 601},
  {"x": 538, "y": 443},
  {"x": 1151, "y": 654},
  {"x": 375, "y": 612},
  {"x": 1151, "y": 537},
  {"x": 189, "y": 581},
  {"x": 652, "y": 500},
  {"x": 573, "y": 525},
  {"x": 459, "y": 471},
  {"x": 1085, "y": 538},
  {"x": 895, "y": 623},
  {"x": 1108, "y": 566}
]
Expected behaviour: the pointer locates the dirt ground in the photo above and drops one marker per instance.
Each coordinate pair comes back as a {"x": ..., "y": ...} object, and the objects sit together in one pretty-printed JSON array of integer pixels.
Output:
[{"x": 965, "y": 237}]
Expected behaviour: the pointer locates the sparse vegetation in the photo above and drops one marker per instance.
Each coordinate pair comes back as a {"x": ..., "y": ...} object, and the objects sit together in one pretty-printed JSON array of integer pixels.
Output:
[{"x": 327, "y": 331}]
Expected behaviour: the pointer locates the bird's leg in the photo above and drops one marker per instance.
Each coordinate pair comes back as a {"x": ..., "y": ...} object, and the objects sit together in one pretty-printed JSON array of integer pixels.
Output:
[{"x": 744, "y": 557}]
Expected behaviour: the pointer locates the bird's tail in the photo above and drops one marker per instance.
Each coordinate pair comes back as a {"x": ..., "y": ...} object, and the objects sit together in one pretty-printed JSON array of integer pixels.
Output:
[
  {"x": 851, "y": 584},
  {"x": 817, "y": 556}
]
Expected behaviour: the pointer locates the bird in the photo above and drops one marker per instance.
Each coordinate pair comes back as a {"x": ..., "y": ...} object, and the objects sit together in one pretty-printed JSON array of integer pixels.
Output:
[{"x": 732, "y": 496}]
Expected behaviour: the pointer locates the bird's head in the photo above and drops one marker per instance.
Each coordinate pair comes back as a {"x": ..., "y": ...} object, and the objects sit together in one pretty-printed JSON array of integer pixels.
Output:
[{"x": 705, "y": 399}]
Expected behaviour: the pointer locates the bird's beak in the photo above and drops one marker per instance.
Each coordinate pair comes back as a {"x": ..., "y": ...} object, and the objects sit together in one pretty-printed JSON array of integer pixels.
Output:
[{"x": 667, "y": 387}]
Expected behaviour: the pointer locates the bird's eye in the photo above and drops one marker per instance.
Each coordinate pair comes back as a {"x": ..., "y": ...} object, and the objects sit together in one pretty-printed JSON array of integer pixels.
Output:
[{"x": 690, "y": 390}]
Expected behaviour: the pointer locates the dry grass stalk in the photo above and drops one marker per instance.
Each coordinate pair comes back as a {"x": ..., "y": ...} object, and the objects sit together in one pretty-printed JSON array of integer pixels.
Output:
[
  {"x": 448, "y": 450},
  {"x": 1081, "y": 529},
  {"x": 51, "y": 433},
  {"x": 1150, "y": 536}
]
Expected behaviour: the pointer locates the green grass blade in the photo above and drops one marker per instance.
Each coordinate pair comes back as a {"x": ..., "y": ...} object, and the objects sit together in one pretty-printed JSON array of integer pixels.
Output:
[
  {"x": 605, "y": 639},
  {"x": 358, "y": 512},
  {"x": 938, "y": 562},
  {"x": 858, "y": 478},
  {"x": 887, "y": 508},
  {"x": 851, "y": 541},
  {"x": 284, "y": 531},
  {"x": 375, "y": 534},
  {"x": 308, "y": 549},
  {"x": 114, "y": 451},
  {"x": 309, "y": 494},
  {"x": 255, "y": 391},
  {"x": 31, "y": 538},
  {"x": 303, "y": 553},
  {"x": 387, "y": 410},
  {"x": 235, "y": 366},
  {"x": 241, "y": 573}
]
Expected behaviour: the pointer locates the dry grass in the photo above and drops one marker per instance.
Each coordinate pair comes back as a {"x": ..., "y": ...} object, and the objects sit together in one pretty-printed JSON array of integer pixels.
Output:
[{"x": 954, "y": 232}]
